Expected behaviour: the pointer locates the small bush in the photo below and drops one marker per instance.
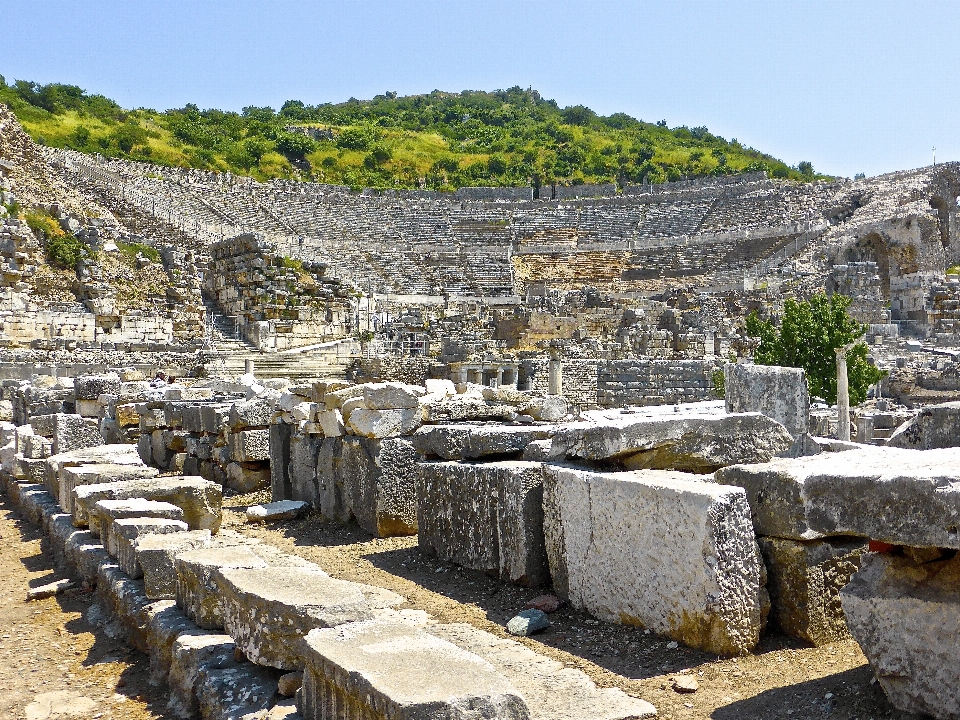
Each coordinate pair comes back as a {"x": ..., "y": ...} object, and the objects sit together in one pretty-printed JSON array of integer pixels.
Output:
[
  {"x": 63, "y": 249},
  {"x": 719, "y": 383},
  {"x": 130, "y": 250}
]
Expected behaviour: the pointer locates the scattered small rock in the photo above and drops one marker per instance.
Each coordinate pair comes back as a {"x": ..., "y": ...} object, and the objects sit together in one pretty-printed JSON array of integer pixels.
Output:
[
  {"x": 280, "y": 510},
  {"x": 545, "y": 603},
  {"x": 287, "y": 685},
  {"x": 672, "y": 645},
  {"x": 684, "y": 684},
  {"x": 49, "y": 590},
  {"x": 528, "y": 622}
]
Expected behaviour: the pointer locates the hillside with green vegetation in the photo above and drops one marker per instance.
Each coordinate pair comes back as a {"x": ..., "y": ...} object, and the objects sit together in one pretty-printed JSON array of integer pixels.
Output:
[{"x": 440, "y": 141}]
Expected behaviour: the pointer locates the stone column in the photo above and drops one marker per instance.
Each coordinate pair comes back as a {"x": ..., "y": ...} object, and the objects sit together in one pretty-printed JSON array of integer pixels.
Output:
[
  {"x": 843, "y": 395},
  {"x": 556, "y": 374},
  {"x": 248, "y": 367}
]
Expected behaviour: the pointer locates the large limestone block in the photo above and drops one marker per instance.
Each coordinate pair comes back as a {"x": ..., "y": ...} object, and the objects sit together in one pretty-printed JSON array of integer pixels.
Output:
[
  {"x": 267, "y": 611},
  {"x": 125, "y": 532},
  {"x": 192, "y": 657},
  {"x": 104, "y": 512},
  {"x": 200, "y": 500},
  {"x": 103, "y": 454},
  {"x": 904, "y": 497},
  {"x": 656, "y": 549},
  {"x": 336, "y": 399},
  {"x": 469, "y": 442},
  {"x": 372, "y": 480},
  {"x": 804, "y": 579},
  {"x": 256, "y": 412},
  {"x": 154, "y": 556},
  {"x": 380, "y": 669},
  {"x": 331, "y": 423},
  {"x": 486, "y": 517},
  {"x": 215, "y": 418},
  {"x": 551, "y": 690},
  {"x": 384, "y": 423},
  {"x": 660, "y": 439},
  {"x": 390, "y": 395},
  {"x": 250, "y": 445},
  {"x": 780, "y": 393},
  {"x": 935, "y": 426},
  {"x": 461, "y": 408},
  {"x": 73, "y": 432},
  {"x": 198, "y": 590},
  {"x": 906, "y": 618},
  {"x": 96, "y": 474},
  {"x": 91, "y": 387}
]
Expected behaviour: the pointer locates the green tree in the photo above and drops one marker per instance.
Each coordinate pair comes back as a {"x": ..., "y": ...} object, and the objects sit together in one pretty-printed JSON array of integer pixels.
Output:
[{"x": 807, "y": 338}]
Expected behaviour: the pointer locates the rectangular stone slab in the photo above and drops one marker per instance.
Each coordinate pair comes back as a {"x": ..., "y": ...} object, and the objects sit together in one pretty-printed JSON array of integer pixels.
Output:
[
  {"x": 113, "y": 454},
  {"x": 200, "y": 499},
  {"x": 658, "y": 550},
  {"x": 267, "y": 611},
  {"x": 125, "y": 532},
  {"x": 468, "y": 442},
  {"x": 695, "y": 440},
  {"x": 487, "y": 517},
  {"x": 382, "y": 669},
  {"x": 198, "y": 589},
  {"x": 105, "y": 512},
  {"x": 156, "y": 555},
  {"x": 96, "y": 474},
  {"x": 903, "y": 497}
]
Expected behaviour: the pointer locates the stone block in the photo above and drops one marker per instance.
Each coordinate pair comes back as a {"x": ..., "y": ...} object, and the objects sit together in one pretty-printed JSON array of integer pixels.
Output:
[
  {"x": 192, "y": 656},
  {"x": 391, "y": 395},
  {"x": 659, "y": 439},
  {"x": 248, "y": 477},
  {"x": 470, "y": 442},
  {"x": 903, "y": 497},
  {"x": 486, "y": 517},
  {"x": 200, "y": 500},
  {"x": 934, "y": 426},
  {"x": 89, "y": 408},
  {"x": 124, "y": 533},
  {"x": 42, "y": 425},
  {"x": 198, "y": 590},
  {"x": 268, "y": 610},
  {"x": 76, "y": 476},
  {"x": 548, "y": 408},
  {"x": 105, "y": 512},
  {"x": 804, "y": 581},
  {"x": 154, "y": 557},
  {"x": 90, "y": 387},
  {"x": 126, "y": 415},
  {"x": 331, "y": 423},
  {"x": 398, "y": 671},
  {"x": 105, "y": 454},
  {"x": 256, "y": 412},
  {"x": 657, "y": 549},
  {"x": 215, "y": 418},
  {"x": 145, "y": 449},
  {"x": 250, "y": 445},
  {"x": 780, "y": 393},
  {"x": 335, "y": 399},
  {"x": 72, "y": 432},
  {"x": 384, "y": 423},
  {"x": 906, "y": 618}
]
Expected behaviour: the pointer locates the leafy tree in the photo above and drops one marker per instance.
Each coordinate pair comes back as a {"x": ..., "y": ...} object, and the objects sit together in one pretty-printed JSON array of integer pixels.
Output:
[
  {"x": 807, "y": 338},
  {"x": 81, "y": 136},
  {"x": 806, "y": 169},
  {"x": 295, "y": 144}
]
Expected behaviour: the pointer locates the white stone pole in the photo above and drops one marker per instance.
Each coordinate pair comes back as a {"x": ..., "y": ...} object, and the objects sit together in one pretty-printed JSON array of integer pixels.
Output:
[{"x": 843, "y": 394}]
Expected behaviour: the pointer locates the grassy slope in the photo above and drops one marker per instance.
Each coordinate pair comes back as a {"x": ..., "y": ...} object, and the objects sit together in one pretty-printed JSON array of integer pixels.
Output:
[{"x": 440, "y": 140}]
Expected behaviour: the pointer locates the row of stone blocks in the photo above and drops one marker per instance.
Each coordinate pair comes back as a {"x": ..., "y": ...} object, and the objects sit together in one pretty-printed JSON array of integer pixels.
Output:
[{"x": 197, "y": 601}]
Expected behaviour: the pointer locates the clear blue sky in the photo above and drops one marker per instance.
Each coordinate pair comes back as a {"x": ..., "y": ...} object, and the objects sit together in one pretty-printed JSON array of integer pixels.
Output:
[{"x": 852, "y": 86}]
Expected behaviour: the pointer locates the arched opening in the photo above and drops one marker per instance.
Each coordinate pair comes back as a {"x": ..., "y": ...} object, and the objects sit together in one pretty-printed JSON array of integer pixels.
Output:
[
  {"x": 873, "y": 248},
  {"x": 943, "y": 217}
]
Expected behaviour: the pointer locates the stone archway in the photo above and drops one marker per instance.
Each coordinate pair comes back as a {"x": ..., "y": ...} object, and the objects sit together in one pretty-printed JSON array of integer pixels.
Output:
[{"x": 873, "y": 248}]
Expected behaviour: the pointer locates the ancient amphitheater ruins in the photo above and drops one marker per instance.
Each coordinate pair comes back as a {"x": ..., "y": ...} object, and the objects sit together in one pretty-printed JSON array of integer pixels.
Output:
[{"x": 526, "y": 385}]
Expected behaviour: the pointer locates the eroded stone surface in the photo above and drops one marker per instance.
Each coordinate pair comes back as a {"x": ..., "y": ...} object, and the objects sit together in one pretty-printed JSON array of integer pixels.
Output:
[
  {"x": 658, "y": 550},
  {"x": 468, "y": 442},
  {"x": 269, "y": 610},
  {"x": 906, "y": 617},
  {"x": 200, "y": 499},
  {"x": 398, "y": 671}
]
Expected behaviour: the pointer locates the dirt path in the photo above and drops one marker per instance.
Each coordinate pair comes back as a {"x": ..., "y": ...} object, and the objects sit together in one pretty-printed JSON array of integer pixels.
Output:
[
  {"x": 783, "y": 678},
  {"x": 53, "y": 663}
]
